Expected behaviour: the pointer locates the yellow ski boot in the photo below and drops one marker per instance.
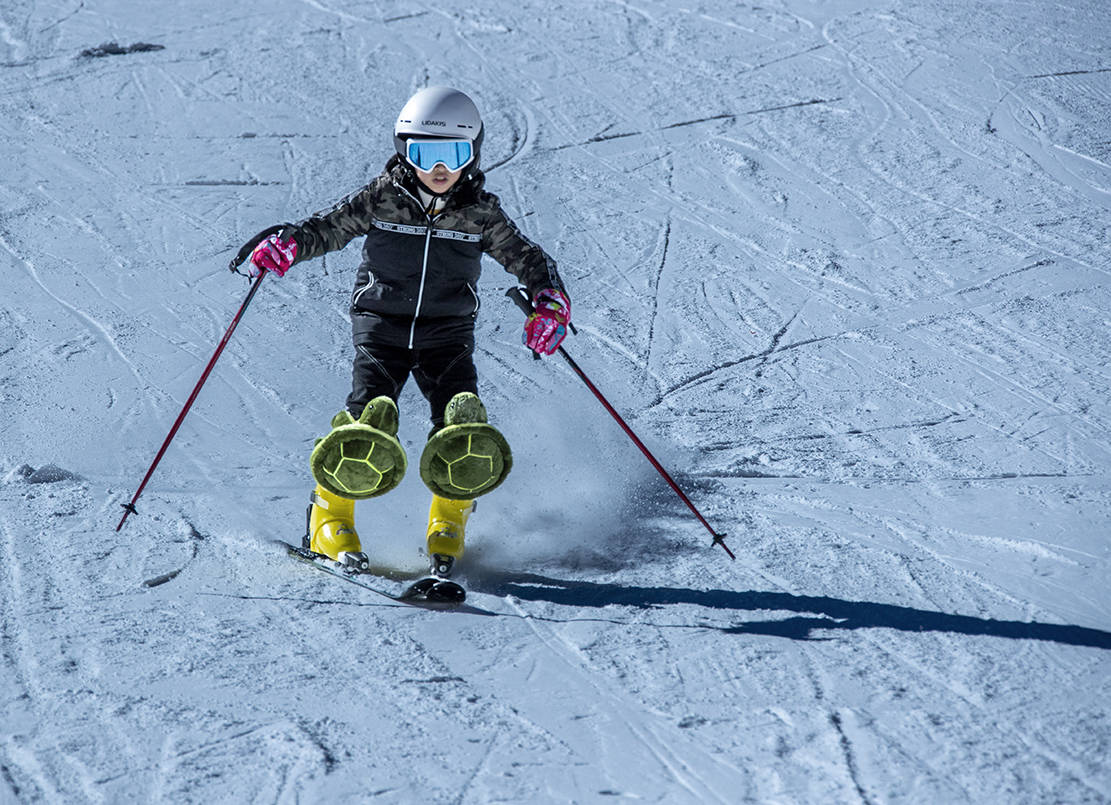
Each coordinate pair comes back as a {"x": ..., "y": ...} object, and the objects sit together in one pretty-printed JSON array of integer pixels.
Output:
[
  {"x": 447, "y": 520},
  {"x": 331, "y": 529}
]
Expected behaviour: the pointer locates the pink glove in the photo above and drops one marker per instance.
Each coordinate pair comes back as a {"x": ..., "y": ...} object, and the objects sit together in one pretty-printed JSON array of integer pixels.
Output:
[
  {"x": 546, "y": 327},
  {"x": 273, "y": 255}
]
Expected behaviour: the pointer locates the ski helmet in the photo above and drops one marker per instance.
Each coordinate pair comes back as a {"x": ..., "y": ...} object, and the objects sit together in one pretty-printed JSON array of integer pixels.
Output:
[{"x": 439, "y": 112}]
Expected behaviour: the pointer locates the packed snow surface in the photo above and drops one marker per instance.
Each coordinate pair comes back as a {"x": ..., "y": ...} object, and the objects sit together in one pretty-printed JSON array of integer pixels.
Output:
[{"x": 843, "y": 265}]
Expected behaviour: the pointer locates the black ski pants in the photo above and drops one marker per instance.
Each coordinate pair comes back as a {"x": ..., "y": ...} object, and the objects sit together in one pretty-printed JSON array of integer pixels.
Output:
[{"x": 382, "y": 369}]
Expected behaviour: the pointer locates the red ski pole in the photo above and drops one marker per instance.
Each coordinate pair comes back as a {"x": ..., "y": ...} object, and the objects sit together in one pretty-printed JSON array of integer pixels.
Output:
[
  {"x": 521, "y": 299},
  {"x": 129, "y": 508}
]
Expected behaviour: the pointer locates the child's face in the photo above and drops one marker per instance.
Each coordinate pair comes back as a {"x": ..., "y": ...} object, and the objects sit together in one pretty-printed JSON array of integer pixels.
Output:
[{"x": 439, "y": 180}]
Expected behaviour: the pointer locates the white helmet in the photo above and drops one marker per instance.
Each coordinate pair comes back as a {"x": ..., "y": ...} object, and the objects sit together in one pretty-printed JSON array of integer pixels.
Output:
[{"x": 439, "y": 112}]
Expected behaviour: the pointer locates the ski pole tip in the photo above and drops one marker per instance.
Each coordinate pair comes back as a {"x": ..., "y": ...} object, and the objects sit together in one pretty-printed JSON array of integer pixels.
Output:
[
  {"x": 128, "y": 510},
  {"x": 719, "y": 539}
]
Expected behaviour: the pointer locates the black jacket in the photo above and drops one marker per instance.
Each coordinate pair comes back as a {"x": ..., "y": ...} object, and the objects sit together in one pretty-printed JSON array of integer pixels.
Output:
[{"x": 417, "y": 285}]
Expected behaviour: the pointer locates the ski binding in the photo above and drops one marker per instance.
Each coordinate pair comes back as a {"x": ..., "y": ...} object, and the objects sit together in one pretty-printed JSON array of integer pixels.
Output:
[{"x": 432, "y": 592}]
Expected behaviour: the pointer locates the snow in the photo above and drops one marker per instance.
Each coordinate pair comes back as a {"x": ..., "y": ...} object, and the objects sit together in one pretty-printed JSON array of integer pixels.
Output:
[{"x": 844, "y": 267}]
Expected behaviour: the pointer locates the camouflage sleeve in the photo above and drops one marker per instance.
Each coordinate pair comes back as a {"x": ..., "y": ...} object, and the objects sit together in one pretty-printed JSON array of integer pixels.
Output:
[
  {"x": 335, "y": 227},
  {"x": 503, "y": 241}
]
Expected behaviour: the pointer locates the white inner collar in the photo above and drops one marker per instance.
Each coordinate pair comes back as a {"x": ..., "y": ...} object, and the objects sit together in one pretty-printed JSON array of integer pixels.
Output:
[{"x": 426, "y": 199}]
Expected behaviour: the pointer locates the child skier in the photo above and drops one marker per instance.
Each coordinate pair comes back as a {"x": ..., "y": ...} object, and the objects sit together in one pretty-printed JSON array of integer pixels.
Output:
[{"x": 427, "y": 223}]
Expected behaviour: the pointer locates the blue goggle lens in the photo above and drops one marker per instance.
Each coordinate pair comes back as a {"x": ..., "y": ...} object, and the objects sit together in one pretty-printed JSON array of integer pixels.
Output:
[{"x": 426, "y": 154}]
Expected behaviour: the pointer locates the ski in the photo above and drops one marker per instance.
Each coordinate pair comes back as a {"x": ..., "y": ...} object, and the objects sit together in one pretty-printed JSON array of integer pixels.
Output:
[{"x": 428, "y": 593}]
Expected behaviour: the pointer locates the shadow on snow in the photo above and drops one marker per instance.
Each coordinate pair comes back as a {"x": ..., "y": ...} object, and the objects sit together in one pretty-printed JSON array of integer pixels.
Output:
[{"x": 826, "y": 614}]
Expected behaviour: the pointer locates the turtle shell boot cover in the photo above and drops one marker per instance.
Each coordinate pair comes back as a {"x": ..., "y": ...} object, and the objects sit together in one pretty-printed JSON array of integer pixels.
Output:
[
  {"x": 361, "y": 458},
  {"x": 467, "y": 457}
]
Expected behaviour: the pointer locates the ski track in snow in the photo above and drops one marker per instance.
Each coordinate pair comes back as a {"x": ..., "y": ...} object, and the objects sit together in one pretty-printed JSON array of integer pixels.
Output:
[{"x": 843, "y": 268}]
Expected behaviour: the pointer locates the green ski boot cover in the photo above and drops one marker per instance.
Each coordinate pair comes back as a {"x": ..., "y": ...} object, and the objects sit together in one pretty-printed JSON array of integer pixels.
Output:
[
  {"x": 361, "y": 458},
  {"x": 467, "y": 457}
]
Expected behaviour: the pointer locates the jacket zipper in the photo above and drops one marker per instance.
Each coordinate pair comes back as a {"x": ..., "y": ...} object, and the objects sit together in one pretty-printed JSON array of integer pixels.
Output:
[
  {"x": 430, "y": 215},
  {"x": 420, "y": 292}
]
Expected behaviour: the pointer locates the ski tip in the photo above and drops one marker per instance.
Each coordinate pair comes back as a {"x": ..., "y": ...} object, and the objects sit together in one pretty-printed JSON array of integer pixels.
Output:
[{"x": 435, "y": 591}]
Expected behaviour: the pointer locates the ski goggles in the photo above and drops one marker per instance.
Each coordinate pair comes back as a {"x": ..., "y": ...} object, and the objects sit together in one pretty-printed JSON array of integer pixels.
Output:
[{"x": 427, "y": 154}]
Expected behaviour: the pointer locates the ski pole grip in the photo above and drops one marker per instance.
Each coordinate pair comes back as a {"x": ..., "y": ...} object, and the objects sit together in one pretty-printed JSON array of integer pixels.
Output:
[
  {"x": 248, "y": 247},
  {"x": 520, "y": 298}
]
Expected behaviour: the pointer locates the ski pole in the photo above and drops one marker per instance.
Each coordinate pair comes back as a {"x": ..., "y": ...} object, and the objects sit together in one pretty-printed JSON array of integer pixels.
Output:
[
  {"x": 521, "y": 300},
  {"x": 129, "y": 508}
]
